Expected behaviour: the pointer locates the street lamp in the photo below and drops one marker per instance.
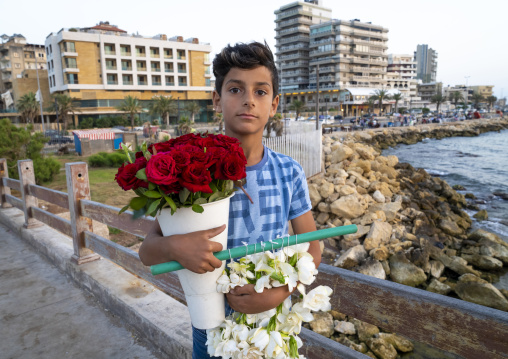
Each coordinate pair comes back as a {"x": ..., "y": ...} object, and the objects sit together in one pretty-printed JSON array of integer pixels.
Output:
[{"x": 467, "y": 90}]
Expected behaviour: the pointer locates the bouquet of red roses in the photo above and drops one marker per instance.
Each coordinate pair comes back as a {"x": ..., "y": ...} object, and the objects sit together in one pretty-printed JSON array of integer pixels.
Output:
[{"x": 187, "y": 171}]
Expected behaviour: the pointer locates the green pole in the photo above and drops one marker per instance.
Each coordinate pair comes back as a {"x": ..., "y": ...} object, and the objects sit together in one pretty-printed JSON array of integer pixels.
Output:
[{"x": 242, "y": 251}]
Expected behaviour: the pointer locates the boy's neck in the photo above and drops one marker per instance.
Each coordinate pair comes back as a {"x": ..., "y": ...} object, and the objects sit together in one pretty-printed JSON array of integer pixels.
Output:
[{"x": 252, "y": 148}]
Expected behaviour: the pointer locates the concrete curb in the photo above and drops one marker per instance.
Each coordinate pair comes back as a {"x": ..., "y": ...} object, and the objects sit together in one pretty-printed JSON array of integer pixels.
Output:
[{"x": 160, "y": 319}]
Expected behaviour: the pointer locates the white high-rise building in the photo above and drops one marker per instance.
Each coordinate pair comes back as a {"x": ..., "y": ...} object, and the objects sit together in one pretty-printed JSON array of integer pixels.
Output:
[{"x": 401, "y": 77}]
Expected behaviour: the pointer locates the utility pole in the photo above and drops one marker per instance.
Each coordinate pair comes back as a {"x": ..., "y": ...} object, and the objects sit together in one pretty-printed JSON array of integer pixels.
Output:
[
  {"x": 39, "y": 90},
  {"x": 317, "y": 96},
  {"x": 57, "y": 118}
]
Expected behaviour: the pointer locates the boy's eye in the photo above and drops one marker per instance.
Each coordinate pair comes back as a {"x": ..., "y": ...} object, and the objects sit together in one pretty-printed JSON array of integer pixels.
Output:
[
  {"x": 261, "y": 92},
  {"x": 234, "y": 90}
]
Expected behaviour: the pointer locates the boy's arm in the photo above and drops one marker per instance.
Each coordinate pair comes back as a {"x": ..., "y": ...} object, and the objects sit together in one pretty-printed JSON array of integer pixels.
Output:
[
  {"x": 246, "y": 300},
  {"x": 194, "y": 251}
]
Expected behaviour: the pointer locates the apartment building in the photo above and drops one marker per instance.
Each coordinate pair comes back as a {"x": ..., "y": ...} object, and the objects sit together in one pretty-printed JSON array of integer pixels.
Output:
[
  {"x": 16, "y": 57},
  {"x": 427, "y": 90},
  {"x": 100, "y": 65},
  {"x": 401, "y": 77},
  {"x": 465, "y": 91},
  {"x": 483, "y": 90},
  {"x": 293, "y": 22},
  {"x": 426, "y": 63}
]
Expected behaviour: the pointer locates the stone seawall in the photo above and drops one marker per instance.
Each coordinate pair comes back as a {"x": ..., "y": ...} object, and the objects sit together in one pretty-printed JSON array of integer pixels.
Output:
[{"x": 413, "y": 228}]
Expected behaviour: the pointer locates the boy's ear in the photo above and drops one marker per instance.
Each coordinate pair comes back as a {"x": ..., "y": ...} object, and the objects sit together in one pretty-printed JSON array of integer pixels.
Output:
[
  {"x": 216, "y": 102},
  {"x": 275, "y": 104}
]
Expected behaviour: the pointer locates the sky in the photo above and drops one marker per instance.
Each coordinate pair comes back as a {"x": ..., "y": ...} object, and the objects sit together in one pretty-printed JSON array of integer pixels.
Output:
[{"x": 469, "y": 36}]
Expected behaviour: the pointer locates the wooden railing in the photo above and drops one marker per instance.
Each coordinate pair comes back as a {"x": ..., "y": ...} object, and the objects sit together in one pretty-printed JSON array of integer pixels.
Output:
[{"x": 459, "y": 327}]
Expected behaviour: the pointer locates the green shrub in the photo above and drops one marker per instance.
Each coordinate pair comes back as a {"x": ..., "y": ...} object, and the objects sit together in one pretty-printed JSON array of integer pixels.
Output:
[
  {"x": 119, "y": 121},
  {"x": 45, "y": 169},
  {"x": 103, "y": 122},
  {"x": 104, "y": 159},
  {"x": 86, "y": 123},
  {"x": 117, "y": 159}
]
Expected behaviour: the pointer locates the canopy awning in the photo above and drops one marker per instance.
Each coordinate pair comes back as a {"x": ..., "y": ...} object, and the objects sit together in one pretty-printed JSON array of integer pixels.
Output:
[{"x": 99, "y": 134}]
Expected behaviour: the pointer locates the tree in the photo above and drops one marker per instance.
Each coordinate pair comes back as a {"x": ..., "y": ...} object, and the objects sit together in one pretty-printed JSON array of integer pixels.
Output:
[
  {"x": 66, "y": 106},
  {"x": 163, "y": 106},
  {"x": 397, "y": 97},
  {"x": 193, "y": 108},
  {"x": 456, "y": 97},
  {"x": 131, "y": 106},
  {"x": 491, "y": 100},
  {"x": 477, "y": 98},
  {"x": 277, "y": 124},
  {"x": 371, "y": 101},
  {"x": 298, "y": 107},
  {"x": 219, "y": 119},
  {"x": 29, "y": 107},
  {"x": 381, "y": 95},
  {"x": 184, "y": 127},
  {"x": 438, "y": 99}
]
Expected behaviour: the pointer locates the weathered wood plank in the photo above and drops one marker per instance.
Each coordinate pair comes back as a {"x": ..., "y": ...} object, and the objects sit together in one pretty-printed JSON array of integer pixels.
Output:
[
  {"x": 109, "y": 215},
  {"x": 12, "y": 183},
  {"x": 453, "y": 325},
  {"x": 129, "y": 260},
  {"x": 49, "y": 195},
  {"x": 26, "y": 178},
  {"x": 14, "y": 201},
  {"x": 52, "y": 220},
  {"x": 316, "y": 346}
]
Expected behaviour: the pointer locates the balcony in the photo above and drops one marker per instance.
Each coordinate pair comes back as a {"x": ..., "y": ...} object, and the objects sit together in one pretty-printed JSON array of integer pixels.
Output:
[
  {"x": 110, "y": 52},
  {"x": 71, "y": 69},
  {"x": 180, "y": 57},
  {"x": 125, "y": 53},
  {"x": 156, "y": 69},
  {"x": 69, "y": 54},
  {"x": 143, "y": 69},
  {"x": 112, "y": 82},
  {"x": 182, "y": 84},
  {"x": 111, "y": 68},
  {"x": 168, "y": 83},
  {"x": 73, "y": 82},
  {"x": 126, "y": 68},
  {"x": 142, "y": 83},
  {"x": 156, "y": 83},
  {"x": 168, "y": 57},
  {"x": 180, "y": 71},
  {"x": 170, "y": 70},
  {"x": 140, "y": 54},
  {"x": 127, "y": 82},
  {"x": 155, "y": 56},
  {"x": 293, "y": 39}
]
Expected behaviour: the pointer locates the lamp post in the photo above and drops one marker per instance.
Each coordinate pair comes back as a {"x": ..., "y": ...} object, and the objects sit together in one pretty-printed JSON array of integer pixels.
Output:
[{"x": 467, "y": 89}]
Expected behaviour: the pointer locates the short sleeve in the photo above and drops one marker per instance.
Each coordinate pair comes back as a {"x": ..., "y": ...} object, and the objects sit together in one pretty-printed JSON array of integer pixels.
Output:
[{"x": 300, "y": 200}]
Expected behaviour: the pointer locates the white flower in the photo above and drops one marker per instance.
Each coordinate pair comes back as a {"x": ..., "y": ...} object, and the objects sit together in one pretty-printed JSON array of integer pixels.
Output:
[
  {"x": 240, "y": 332},
  {"x": 227, "y": 329},
  {"x": 259, "y": 337},
  {"x": 223, "y": 283},
  {"x": 306, "y": 269},
  {"x": 250, "y": 352},
  {"x": 242, "y": 269},
  {"x": 318, "y": 299},
  {"x": 290, "y": 276},
  {"x": 226, "y": 349},
  {"x": 237, "y": 281},
  {"x": 262, "y": 283},
  {"x": 275, "y": 344},
  {"x": 213, "y": 338},
  {"x": 262, "y": 263},
  {"x": 297, "y": 248},
  {"x": 302, "y": 312}
]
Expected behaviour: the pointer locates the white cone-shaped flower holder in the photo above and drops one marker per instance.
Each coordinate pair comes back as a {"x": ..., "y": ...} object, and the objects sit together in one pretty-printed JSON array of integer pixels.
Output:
[{"x": 206, "y": 306}]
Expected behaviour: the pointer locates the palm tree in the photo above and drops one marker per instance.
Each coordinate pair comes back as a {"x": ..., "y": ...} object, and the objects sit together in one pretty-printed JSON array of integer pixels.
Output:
[
  {"x": 28, "y": 106},
  {"x": 219, "y": 119},
  {"x": 193, "y": 108},
  {"x": 131, "y": 106},
  {"x": 297, "y": 106},
  {"x": 397, "y": 97},
  {"x": 381, "y": 95},
  {"x": 66, "y": 106},
  {"x": 163, "y": 106},
  {"x": 371, "y": 102},
  {"x": 477, "y": 98},
  {"x": 456, "y": 97},
  {"x": 438, "y": 99},
  {"x": 491, "y": 100}
]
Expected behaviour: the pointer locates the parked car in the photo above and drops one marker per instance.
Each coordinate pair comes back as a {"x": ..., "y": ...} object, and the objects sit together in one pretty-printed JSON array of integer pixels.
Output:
[
  {"x": 59, "y": 140},
  {"x": 338, "y": 117}
]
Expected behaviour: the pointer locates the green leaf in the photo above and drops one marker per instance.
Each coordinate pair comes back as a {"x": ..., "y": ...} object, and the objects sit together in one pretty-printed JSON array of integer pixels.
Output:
[
  {"x": 293, "y": 347},
  {"x": 197, "y": 208},
  {"x": 200, "y": 201},
  {"x": 215, "y": 196},
  {"x": 183, "y": 195},
  {"x": 137, "y": 203},
  {"x": 229, "y": 185},
  {"x": 213, "y": 187},
  {"x": 151, "y": 186},
  {"x": 278, "y": 277},
  {"x": 139, "y": 213},
  {"x": 141, "y": 174},
  {"x": 152, "y": 208},
  {"x": 123, "y": 209},
  {"x": 171, "y": 203},
  {"x": 153, "y": 194},
  {"x": 293, "y": 260},
  {"x": 272, "y": 324}
]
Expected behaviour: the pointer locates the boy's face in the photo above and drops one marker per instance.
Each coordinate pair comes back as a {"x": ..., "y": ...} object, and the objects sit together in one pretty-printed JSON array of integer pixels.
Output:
[{"x": 247, "y": 101}]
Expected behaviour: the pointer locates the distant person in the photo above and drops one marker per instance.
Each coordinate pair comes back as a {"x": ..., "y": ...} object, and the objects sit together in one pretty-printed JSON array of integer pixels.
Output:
[{"x": 476, "y": 115}]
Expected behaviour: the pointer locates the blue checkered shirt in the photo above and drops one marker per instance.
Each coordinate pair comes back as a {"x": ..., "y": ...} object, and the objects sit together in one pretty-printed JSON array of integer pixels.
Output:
[{"x": 280, "y": 193}]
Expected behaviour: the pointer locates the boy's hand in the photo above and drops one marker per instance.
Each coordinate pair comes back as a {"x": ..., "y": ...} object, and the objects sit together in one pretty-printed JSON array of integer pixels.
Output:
[{"x": 246, "y": 300}]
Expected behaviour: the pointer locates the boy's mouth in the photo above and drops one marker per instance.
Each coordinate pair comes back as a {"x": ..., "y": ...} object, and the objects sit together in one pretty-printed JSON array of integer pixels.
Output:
[{"x": 247, "y": 116}]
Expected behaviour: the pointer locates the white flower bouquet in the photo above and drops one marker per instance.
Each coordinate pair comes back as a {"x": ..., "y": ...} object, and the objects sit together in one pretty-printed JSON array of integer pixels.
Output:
[{"x": 274, "y": 333}]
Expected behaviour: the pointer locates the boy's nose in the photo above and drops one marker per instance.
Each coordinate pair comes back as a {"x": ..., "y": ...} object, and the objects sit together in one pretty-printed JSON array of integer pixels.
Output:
[{"x": 249, "y": 100}]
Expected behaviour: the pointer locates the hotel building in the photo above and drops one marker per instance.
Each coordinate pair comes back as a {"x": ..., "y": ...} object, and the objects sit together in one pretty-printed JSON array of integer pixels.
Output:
[
  {"x": 100, "y": 65},
  {"x": 401, "y": 76}
]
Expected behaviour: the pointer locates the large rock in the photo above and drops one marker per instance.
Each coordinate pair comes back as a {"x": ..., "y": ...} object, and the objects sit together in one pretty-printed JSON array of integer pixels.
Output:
[
  {"x": 449, "y": 227},
  {"x": 476, "y": 290},
  {"x": 382, "y": 187},
  {"x": 404, "y": 272},
  {"x": 351, "y": 258},
  {"x": 341, "y": 153},
  {"x": 379, "y": 233},
  {"x": 365, "y": 330},
  {"x": 391, "y": 209},
  {"x": 481, "y": 215},
  {"x": 483, "y": 262},
  {"x": 378, "y": 197},
  {"x": 362, "y": 230},
  {"x": 345, "y": 328},
  {"x": 348, "y": 207},
  {"x": 323, "y": 324},
  {"x": 346, "y": 190},
  {"x": 326, "y": 189},
  {"x": 436, "y": 268},
  {"x": 373, "y": 268},
  {"x": 365, "y": 152},
  {"x": 400, "y": 343},
  {"x": 315, "y": 197},
  {"x": 456, "y": 264},
  {"x": 438, "y": 287},
  {"x": 382, "y": 348}
]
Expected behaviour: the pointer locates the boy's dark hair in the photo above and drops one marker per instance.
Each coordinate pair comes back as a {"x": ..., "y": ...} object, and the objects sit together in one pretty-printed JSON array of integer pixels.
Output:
[{"x": 244, "y": 56}]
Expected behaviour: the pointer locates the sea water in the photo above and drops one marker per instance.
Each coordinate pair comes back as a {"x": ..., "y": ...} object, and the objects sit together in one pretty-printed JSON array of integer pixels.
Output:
[{"x": 479, "y": 164}]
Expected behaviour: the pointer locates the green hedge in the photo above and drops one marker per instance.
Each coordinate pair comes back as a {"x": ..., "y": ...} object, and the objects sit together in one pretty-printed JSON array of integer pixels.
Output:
[{"x": 104, "y": 159}]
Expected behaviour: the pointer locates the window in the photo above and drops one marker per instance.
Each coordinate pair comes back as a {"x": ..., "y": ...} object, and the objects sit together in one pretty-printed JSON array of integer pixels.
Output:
[
  {"x": 110, "y": 64},
  {"x": 208, "y": 82},
  {"x": 127, "y": 79},
  {"x": 70, "y": 63},
  {"x": 168, "y": 67},
  {"x": 54, "y": 82},
  {"x": 170, "y": 81},
  {"x": 52, "y": 65},
  {"x": 50, "y": 82},
  {"x": 141, "y": 65},
  {"x": 182, "y": 81},
  {"x": 182, "y": 68},
  {"x": 112, "y": 79},
  {"x": 154, "y": 52},
  {"x": 142, "y": 80},
  {"x": 15, "y": 54},
  {"x": 126, "y": 65},
  {"x": 109, "y": 49},
  {"x": 50, "y": 49},
  {"x": 125, "y": 50},
  {"x": 17, "y": 66},
  {"x": 181, "y": 54},
  {"x": 155, "y": 66},
  {"x": 41, "y": 54},
  {"x": 69, "y": 47},
  {"x": 168, "y": 53},
  {"x": 140, "y": 51},
  {"x": 72, "y": 79},
  {"x": 156, "y": 80}
]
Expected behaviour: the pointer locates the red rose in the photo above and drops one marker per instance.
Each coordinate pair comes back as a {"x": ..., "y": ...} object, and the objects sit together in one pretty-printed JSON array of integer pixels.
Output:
[
  {"x": 205, "y": 142},
  {"x": 225, "y": 141},
  {"x": 186, "y": 139},
  {"x": 196, "y": 154},
  {"x": 126, "y": 177},
  {"x": 215, "y": 154},
  {"x": 182, "y": 158},
  {"x": 172, "y": 188},
  {"x": 162, "y": 146},
  {"x": 139, "y": 154},
  {"x": 161, "y": 169},
  {"x": 196, "y": 178},
  {"x": 231, "y": 167}
]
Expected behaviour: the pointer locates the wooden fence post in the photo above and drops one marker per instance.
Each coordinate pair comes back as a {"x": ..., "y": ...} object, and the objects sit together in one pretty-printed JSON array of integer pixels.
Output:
[
  {"x": 27, "y": 177},
  {"x": 78, "y": 188},
  {"x": 4, "y": 173}
]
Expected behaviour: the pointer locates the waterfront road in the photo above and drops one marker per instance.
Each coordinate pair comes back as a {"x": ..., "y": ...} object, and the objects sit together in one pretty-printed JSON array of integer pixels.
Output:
[{"x": 43, "y": 314}]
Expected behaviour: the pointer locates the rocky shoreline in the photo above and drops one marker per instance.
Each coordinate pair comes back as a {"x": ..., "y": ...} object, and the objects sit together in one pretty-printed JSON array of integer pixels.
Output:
[{"x": 412, "y": 228}]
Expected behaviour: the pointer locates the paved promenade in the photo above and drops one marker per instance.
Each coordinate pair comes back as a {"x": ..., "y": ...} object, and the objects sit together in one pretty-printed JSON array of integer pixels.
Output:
[{"x": 45, "y": 315}]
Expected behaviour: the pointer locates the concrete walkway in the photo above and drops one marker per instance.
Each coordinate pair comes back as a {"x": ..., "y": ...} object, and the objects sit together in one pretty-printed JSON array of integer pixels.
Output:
[{"x": 45, "y": 315}]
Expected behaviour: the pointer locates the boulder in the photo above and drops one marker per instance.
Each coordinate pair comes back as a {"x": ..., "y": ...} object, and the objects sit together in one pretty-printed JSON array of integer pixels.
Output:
[
  {"x": 348, "y": 207},
  {"x": 373, "y": 268},
  {"x": 390, "y": 209},
  {"x": 381, "y": 253},
  {"x": 436, "y": 268},
  {"x": 362, "y": 230},
  {"x": 379, "y": 233},
  {"x": 365, "y": 330},
  {"x": 365, "y": 152},
  {"x": 436, "y": 286},
  {"x": 322, "y": 218},
  {"x": 315, "y": 197},
  {"x": 476, "y": 290},
  {"x": 400, "y": 343},
  {"x": 383, "y": 187},
  {"x": 346, "y": 190},
  {"x": 481, "y": 215},
  {"x": 378, "y": 197},
  {"x": 491, "y": 248},
  {"x": 483, "y": 262},
  {"x": 345, "y": 328},
  {"x": 381, "y": 348},
  {"x": 341, "y": 153},
  {"x": 449, "y": 227},
  {"x": 323, "y": 324},
  {"x": 404, "y": 272},
  {"x": 326, "y": 189},
  {"x": 351, "y": 258}
]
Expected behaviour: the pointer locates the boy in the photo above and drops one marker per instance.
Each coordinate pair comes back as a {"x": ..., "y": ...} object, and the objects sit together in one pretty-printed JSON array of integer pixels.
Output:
[{"x": 247, "y": 95}]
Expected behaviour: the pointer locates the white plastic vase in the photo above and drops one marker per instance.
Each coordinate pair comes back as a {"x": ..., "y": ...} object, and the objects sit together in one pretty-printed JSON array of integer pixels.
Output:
[{"x": 206, "y": 306}]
